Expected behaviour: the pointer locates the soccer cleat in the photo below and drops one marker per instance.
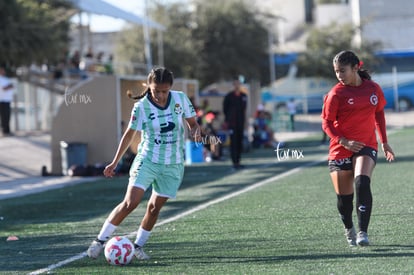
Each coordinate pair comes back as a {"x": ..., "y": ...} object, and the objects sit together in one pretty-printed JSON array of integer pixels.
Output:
[
  {"x": 350, "y": 236},
  {"x": 362, "y": 238},
  {"x": 95, "y": 249},
  {"x": 140, "y": 254}
]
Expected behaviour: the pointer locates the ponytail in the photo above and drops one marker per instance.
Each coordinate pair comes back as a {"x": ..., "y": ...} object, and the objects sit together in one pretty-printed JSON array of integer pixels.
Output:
[
  {"x": 136, "y": 97},
  {"x": 363, "y": 73}
]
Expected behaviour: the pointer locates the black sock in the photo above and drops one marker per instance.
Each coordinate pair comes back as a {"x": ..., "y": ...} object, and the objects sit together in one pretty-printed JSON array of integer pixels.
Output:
[
  {"x": 345, "y": 207},
  {"x": 363, "y": 201}
]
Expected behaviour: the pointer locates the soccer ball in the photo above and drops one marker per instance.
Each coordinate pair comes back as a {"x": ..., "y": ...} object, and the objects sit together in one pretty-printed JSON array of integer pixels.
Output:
[{"x": 119, "y": 251}]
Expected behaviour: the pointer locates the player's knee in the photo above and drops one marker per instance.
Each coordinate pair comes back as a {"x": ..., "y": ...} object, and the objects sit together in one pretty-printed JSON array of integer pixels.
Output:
[
  {"x": 363, "y": 189},
  {"x": 362, "y": 182},
  {"x": 128, "y": 205},
  {"x": 153, "y": 210}
]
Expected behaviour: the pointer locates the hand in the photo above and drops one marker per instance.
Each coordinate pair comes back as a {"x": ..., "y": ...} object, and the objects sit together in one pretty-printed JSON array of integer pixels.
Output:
[
  {"x": 109, "y": 170},
  {"x": 351, "y": 145},
  {"x": 389, "y": 154}
]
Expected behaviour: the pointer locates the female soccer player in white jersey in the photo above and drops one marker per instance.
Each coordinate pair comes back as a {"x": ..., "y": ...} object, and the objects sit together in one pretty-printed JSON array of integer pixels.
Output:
[{"x": 157, "y": 119}]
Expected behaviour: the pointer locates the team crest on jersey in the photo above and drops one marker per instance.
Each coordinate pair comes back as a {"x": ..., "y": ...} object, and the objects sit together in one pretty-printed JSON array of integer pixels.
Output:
[
  {"x": 374, "y": 99},
  {"x": 178, "y": 109}
]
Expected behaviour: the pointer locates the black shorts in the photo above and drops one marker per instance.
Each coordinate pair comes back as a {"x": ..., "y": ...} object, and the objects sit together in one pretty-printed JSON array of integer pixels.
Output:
[{"x": 346, "y": 163}]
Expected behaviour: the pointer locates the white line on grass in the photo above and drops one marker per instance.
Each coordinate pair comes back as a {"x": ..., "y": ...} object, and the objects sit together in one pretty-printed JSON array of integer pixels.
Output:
[
  {"x": 191, "y": 211},
  {"x": 235, "y": 194}
]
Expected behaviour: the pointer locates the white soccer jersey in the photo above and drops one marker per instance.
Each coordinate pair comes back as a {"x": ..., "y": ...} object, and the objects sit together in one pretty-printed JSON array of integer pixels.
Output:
[{"x": 162, "y": 139}]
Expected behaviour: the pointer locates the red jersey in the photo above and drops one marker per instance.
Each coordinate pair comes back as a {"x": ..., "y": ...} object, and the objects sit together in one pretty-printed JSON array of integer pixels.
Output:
[{"x": 352, "y": 110}]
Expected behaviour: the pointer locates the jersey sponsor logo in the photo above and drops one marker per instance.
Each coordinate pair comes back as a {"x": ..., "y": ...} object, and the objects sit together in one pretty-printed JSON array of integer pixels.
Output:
[
  {"x": 167, "y": 127},
  {"x": 169, "y": 142},
  {"x": 339, "y": 162},
  {"x": 374, "y": 99},
  {"x": 178, "y": 109},
  {"x": 351, "y": 101},
  {"x": 151, "y": 116}
]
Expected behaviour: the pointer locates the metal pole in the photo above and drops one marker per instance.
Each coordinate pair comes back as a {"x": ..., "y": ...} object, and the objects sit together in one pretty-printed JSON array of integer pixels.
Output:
[
  {"x": 395, "y": 88},
  {"x": 160, "y": 48},
  {"x": 147, "y": 40},
  {"x": 81, "y": 37},
  {"x": 16, "y": 107},
  {"x": 272, "y": 64}
]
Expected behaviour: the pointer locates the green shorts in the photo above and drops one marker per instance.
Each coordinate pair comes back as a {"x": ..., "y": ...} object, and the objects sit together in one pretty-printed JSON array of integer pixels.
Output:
[{"x": 165, "y": 179}]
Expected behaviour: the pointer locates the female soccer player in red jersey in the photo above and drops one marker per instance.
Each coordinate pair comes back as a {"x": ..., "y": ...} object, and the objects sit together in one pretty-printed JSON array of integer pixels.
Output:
[{"x": 352, "y": 111}]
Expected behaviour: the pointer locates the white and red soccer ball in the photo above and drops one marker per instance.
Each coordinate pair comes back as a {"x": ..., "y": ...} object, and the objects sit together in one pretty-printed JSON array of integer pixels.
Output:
[{"x": 119, "y": 251}]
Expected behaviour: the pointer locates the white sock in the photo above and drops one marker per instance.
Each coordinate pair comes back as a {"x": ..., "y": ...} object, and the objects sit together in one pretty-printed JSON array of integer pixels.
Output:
[
  {"x": 142, "y": 237},
  {"x": 106, "y": 231}
]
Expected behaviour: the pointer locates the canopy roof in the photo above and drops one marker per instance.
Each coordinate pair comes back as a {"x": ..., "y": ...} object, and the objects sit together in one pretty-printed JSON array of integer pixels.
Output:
[{"x": 104, "y": 8}]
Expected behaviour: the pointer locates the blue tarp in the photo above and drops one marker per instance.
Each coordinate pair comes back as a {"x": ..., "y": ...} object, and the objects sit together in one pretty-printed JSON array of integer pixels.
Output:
[
  {"x": 285, "y": 59},
  {"x": 395, "y": 53}
]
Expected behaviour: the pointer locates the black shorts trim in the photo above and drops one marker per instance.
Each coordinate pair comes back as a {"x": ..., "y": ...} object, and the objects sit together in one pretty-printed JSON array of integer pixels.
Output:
[{"x": 346, "y": 163}]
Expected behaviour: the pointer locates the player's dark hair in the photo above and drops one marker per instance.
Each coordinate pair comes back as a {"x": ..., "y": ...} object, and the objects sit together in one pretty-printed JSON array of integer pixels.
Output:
[
  {"x": 350, "y": 58},
  {"x": 158, "y": 75}
]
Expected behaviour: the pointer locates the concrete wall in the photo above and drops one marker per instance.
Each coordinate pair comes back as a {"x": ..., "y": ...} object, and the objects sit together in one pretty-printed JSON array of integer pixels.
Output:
[
  {"x": 327, "y": 14},
  {"x": 88, "y": 115}
]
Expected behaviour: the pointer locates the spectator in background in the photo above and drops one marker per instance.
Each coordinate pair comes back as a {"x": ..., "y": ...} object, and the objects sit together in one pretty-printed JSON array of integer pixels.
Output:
[
  {"x": 263, "y": 134},
  {"x": 75, "y": 61},
  {"x": 74, "y": 69},
  {"x": 99, "y": 65},
  {"x": 88, "y": 63},
  {"x": 234, "y": 109},
  {"x": 211, "y": 141},
  {"x": 108, "y": 65},
  {"x": 206, "y": 106},
  {"x": 291, "y": 107},
  {"x": 6, "y": 97}
]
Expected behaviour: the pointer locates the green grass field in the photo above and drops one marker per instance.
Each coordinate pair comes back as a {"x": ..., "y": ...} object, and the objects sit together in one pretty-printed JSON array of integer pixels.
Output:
[{"x": 288, "y": 225}]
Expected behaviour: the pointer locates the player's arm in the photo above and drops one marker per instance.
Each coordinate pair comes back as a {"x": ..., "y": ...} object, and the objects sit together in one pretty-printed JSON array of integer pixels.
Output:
[
  {"x": 351, "y": 145},
  {"x": 382, "y": 133},
  {"x": 124, "y": 144},
  {"x": 329, "y": 113},
  {"x": 195, "y": 130}
]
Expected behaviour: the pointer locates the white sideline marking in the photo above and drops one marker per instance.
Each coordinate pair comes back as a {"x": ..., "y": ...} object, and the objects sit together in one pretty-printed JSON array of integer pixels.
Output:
[
  {"x": 189, "y": 212},
  {"x": 59, "y": 264}
]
